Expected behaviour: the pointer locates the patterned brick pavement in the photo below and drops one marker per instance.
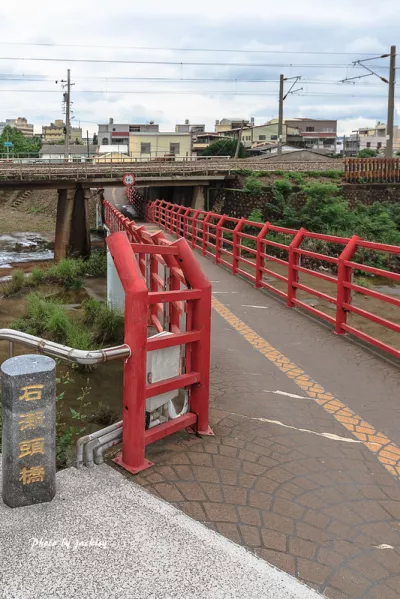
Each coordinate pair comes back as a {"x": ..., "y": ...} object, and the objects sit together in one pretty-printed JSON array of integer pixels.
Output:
[{"x": 321, "y": 510}]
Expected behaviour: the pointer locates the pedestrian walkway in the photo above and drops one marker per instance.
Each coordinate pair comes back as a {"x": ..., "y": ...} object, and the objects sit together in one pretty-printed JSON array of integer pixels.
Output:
[
  {"x": 304, "y": 466},
  {"x": 104, "y": 537}
]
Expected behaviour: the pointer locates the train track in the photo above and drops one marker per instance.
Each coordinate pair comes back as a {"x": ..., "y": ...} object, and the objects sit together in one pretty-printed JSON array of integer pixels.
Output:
[{"x": 83, "y": 171}]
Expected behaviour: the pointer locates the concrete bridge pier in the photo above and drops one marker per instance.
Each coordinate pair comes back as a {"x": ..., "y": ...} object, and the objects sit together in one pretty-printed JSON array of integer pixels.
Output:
[{"x": 72, "y": 224}]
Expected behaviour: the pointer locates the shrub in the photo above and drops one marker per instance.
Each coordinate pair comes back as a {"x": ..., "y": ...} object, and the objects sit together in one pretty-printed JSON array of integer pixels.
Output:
[
  {"x": 253, "y": 184},
  {"x": 15, "y": 285},
  {"x": 283, "y": 185},
  {"x": 108, "y": 324},
  {"x": 37, "y": 277}
]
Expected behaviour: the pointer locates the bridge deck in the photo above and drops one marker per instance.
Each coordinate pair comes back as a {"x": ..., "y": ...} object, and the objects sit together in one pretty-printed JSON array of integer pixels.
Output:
[{"x": 284, "y": 476}]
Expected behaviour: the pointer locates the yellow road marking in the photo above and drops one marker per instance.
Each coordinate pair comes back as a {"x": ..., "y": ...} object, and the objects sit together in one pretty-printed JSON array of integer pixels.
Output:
[{"x": 386, "y": 451}]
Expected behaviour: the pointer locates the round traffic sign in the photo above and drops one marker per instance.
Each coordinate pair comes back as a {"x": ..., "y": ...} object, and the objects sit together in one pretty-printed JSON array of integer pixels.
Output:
[{"x": 129, "y": 179}]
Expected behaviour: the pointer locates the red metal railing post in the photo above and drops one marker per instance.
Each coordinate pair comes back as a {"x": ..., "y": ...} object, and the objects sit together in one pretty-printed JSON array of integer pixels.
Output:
[
  {"x": 205, "y": 233},
  {"x": 185, "y": 221},
  {"x": 178, "y": 221},
  {"x": 201, "y": 321},
  {"x": 293, "y": 261},
  {"x": 235, "y": 249},
  {"x": 134, "y": 386},
  {"x": 260, "y": 254},
  {"x": 344, "y": 275},
  {"x": 194, "y": 228},
  {"x": 218, "y": 239}
]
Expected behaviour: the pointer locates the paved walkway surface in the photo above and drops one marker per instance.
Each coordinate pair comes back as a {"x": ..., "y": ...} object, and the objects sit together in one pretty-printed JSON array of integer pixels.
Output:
[
  {"x": 104, "y": 537},
  {"x": 304, "y": 466}
]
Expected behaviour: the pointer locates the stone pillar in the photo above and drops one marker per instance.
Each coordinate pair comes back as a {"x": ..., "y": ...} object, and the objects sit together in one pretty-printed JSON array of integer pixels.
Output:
[
  {"x": 199, "y": 198},
  {"x": 29, "y": 430},
  {"x": 65, "y": 207}
]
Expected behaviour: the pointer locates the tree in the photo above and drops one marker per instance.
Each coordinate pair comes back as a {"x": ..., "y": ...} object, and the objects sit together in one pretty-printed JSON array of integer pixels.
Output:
[
  {"x": 367, "y": 153},
  {"x": 95, "y": 139},
  {"x": 224, "y": 147},
  {"x": 21, "y": 144}
]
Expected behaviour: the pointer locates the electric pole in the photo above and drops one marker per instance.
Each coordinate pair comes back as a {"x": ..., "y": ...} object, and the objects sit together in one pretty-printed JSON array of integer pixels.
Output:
[
  {"x": 280, "y": 117},
  {"x": 87, "y": 142},
  {"x": 67, "y": 115},
  {"x": 390, "y": 117},
  {"x": 239, "y": 140}
]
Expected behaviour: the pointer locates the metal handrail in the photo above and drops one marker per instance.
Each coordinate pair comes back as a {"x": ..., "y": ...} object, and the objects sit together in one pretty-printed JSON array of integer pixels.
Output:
[{"x": 57, "y": 350}]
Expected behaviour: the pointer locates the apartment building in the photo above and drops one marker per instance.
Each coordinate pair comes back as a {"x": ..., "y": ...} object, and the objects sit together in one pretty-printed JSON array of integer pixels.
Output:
[
  {"x": 229, "y": 124},
  {"x": 55, "y": 133},
  {"x": 118, "y": 133},
  {"x": 153, "y": 145},
  {"x": 312, "y": 133},
  {"x": 188, "y": 127},
  {"x": 19, "y": 123}
]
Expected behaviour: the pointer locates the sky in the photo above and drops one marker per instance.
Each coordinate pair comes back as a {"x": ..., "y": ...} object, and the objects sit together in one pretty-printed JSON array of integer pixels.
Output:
[{"x": 202, "y": 61}]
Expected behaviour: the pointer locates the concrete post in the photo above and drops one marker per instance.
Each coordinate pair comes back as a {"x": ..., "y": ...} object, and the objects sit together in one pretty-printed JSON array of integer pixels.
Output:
[
  {"x": 198, "y": 198},
  {"x": 79, "y": 241},
  {"x": 65, "y": 207},
  {"x": 28, "y": 386}
]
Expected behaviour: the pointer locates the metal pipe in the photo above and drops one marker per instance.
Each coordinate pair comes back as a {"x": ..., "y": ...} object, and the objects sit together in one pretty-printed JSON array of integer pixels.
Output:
[
  {"x": 100, "y": 449},
  {"x": 91, "y": 445},
  {"x": 56, "y": 350},
  {"x": 83, "y": 440}
]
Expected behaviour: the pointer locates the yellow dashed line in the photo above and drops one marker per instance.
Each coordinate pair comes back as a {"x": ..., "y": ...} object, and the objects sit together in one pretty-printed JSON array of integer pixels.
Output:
[{"x": 386, "y": 451}]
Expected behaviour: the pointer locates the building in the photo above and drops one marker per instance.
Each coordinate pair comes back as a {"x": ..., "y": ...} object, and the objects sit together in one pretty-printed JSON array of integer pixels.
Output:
[
  {"x": 251, "y": 136},
  {"x": 77, "y": 153},
  {"x": 203, "y": 140},
  {"x": 152, "y": 145},
  {"x": 20, "y": 123},
  {"x": 228, "y": 124},
  {"x": 189, "y": 128},
  {"x": 118, "y": 133},
  {"x": 312, "y": 133},
  {"x": 55, "y": 133},
  {"x": 375, "y": 137}
]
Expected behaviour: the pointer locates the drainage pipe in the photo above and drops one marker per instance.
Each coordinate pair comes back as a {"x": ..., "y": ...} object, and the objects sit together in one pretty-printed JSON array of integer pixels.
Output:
[
  {"x": 100, "y": 440},
  {"x": 56, "y": 350},
  {"x": 98, "y": 452},
  {"x": 83, "y": 440}
]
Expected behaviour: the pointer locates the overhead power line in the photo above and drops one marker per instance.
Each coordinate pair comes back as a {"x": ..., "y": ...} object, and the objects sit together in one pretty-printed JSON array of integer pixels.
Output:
[
  {"x": 233, "y": 50},
  {"x": 181, "y": 63}
]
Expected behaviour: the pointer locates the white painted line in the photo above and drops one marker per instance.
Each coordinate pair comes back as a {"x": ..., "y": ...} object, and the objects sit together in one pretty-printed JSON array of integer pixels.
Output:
[
  {"x": 214, "y": 281},
  {"x": 287, "y": 394},
  {"x": 248, "y": 306},
  {"x": 383, "y": 546},
  {"x": 330, "y": 436},
  {"x": 253, "y": 374},
  {"x": 215, "y": 292}
]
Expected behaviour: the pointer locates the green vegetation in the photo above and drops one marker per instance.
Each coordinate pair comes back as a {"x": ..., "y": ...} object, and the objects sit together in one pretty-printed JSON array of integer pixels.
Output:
[
  {"x": 49, "y": 319},
  {"x": 69, "y": 273},
  {"x": 21, "y": 144},
  {"x": 253, "y": 184},
  {"x": 367, "y": 153},
  {"x": 224, "y": 147}
]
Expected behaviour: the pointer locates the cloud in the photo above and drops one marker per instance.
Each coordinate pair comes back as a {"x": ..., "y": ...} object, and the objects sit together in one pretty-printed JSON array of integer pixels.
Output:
[{"x": 286, "y": 30}]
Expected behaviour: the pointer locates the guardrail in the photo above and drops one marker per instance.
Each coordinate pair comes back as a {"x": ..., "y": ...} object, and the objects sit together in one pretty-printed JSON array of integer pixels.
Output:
[
  {"x": 372, "y": 170},
  {"x": 276, "y": 258},
  {"x": 166, "y": 290}
]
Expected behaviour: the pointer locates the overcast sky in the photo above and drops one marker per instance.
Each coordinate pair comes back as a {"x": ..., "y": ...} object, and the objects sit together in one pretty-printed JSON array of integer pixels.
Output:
[{"x": 119, "y": 31}]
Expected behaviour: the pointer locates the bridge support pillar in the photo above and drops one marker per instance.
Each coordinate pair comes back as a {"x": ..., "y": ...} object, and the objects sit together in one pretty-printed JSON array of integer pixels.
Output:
[
  {"x": 199, "y": 198},
  {"x": 72, "y": 224}
]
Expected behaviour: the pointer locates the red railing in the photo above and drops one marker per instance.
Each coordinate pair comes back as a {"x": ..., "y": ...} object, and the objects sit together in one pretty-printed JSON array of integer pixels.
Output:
[
  {"x": 165, "y": 290},
  {"x": 285, "y": 262}
]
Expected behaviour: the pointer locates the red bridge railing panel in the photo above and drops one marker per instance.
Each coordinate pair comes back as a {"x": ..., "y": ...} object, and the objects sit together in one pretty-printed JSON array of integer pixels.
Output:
[
  {"x": 165, "y": 288},
  {"x": 278, "y": 259}
]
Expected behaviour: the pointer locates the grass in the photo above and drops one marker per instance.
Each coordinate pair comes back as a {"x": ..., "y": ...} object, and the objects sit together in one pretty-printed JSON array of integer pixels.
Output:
[
  {"x": 49, "y": 319},
  {"x": 68, "y": 272}
]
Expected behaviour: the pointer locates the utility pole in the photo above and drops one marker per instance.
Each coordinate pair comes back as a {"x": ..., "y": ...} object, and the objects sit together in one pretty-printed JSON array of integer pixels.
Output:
[
  {"x": 239, "y": 140},
  {"x": 87, "y": 142},
  {"x": 390, "y": 117},
  {"x": 280, "y": 117},
  {"x": 67, "y": 115}
]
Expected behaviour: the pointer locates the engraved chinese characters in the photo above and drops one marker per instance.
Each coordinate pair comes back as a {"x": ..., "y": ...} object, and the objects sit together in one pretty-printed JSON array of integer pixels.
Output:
[{"x": 29, "y": 439}]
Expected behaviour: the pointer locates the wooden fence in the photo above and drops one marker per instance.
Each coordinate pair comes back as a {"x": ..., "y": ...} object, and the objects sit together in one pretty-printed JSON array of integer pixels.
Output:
[{"x": 372, "y": 170}]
